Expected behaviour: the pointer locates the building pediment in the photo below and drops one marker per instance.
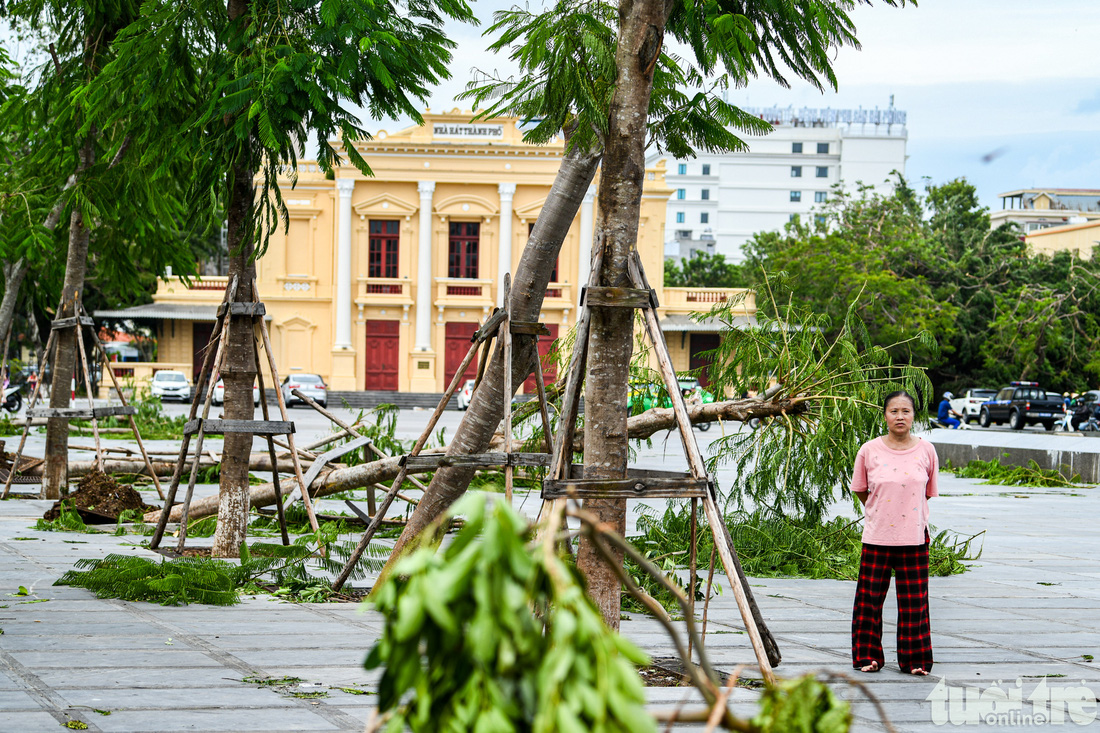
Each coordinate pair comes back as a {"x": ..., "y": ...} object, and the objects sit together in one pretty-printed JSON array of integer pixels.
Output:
[
  {"x": 466, "y": 205},
  {"x": 385, "y": 205},
  {"x": 530, "y": 212}
]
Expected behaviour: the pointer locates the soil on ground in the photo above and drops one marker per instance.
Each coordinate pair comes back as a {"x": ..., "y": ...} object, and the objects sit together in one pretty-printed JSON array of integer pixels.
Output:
[{"x": 101, "y": 493}]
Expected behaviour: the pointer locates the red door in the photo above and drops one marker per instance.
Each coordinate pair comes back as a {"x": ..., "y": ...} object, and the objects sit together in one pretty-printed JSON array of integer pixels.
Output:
[
  {"x": 455, "y": 347},
  {"x": 549, "y": 368},
  {"x": 382, "y": 355},
  {"x": 200, "y": 337},
  {"x": 701, "y": 342}
]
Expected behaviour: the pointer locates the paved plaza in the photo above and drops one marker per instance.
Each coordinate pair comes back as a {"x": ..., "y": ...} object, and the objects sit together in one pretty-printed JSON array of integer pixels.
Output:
[{"x": 1023, "y": 620}]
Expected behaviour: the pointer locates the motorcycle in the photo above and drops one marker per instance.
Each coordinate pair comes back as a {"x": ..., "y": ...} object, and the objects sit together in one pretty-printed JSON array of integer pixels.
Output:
[{"x": 13, "y": 400}]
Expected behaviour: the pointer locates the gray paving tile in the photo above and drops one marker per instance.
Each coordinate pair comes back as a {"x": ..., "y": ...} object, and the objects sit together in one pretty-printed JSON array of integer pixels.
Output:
[{"x": 28, "y": 722}]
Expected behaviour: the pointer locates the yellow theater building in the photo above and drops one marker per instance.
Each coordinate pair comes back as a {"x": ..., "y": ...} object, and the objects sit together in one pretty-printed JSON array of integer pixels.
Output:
[{"x": 378, "y": 282}]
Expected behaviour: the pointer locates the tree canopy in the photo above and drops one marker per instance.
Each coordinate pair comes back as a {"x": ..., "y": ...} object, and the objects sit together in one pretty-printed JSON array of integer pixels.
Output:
[{"x": 932, "y": 263}]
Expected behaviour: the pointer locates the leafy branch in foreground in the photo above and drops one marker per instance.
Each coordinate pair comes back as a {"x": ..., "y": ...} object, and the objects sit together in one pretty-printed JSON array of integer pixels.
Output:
[
  {"x": 792, "y": 465},
  {"x": 492, "y": 634}
]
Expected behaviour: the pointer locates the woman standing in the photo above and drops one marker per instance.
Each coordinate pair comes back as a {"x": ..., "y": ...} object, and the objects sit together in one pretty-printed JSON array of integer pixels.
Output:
[{"x": 894, "y": 476}]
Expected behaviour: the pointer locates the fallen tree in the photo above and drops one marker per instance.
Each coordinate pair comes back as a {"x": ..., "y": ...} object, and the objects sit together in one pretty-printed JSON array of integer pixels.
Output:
[{"x": 639, "y": 427}]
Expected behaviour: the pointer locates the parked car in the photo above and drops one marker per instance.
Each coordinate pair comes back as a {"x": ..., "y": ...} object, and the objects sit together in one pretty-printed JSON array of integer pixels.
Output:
[
  {"x": 466, "y": 394},
  {"x": 311, "y": 385},
  {"x": 169, "y": 384},
  {"x": 1021, "y": 404},
  {"x": 219, "y": 393},
  {"x": 969, "y": 403}
]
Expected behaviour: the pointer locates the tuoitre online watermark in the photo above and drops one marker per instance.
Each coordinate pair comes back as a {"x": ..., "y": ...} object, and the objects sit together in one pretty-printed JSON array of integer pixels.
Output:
[{"x": 1010, "y": 704}]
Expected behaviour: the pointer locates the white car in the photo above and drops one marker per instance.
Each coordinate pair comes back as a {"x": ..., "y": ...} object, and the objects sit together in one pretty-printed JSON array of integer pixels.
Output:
[
  {"x": 169, "y": 384},
  {"x": 219, "y": 393},
  {"x": 969, "y": 403},
  {"x": 466, "y": 394},
  {"x": 311, "y": 385}
]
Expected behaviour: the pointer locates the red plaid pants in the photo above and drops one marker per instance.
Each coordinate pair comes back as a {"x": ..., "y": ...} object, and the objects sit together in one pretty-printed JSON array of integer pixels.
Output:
[{"x": 909, "y": 565}]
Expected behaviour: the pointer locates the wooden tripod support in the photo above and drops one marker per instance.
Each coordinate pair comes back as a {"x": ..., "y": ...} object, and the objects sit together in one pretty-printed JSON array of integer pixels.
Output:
[
  {"x": 696, "y": 485},
  {"x": 201, "y": 427},
  {"x": 498, "y": 325},
  {"x": 80, "y": 321}
]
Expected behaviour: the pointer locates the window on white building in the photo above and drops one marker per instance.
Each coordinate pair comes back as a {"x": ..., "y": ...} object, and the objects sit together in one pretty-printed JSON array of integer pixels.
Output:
[
  {"x": 823, "y": 148},
  {"x": 822, "y": 171},
  {"x": 821, "y": 197},
  {"x": 705, "y": 194},
  {"x": 682, "y": 169},
  {"x": 796, "y": 171},
  {"x": 681, "y": 194},
  {"x": 796, "y": 195},
  {"x": 704, "y": 218},
  {"x": 796, "y": 147},
  {"x": 706, "y": 170},
  {"x": 679, "y": 217}
]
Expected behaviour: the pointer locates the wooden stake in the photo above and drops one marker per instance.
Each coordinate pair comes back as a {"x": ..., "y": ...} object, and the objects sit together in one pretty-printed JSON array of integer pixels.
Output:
[
  {"x": 698, "y": 470},
  {"x": 400, "y": 479},
  {"x": 203, "y": 385},
  {"x": 122, "y": 398},
  {"x": 27, "y": 426},
  {"x": 282, "y": 411},
  {"x": 691, "y": 565},
  {"x": 88, "y": 389},
  {"x": 279, "y": 510},
  {"x": 506, "y": 341}
]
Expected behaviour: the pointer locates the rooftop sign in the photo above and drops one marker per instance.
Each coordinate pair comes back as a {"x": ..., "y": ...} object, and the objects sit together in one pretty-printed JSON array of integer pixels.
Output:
[
  {"x": 810, "y": 117},
  {"x": 468, "y": 131}
]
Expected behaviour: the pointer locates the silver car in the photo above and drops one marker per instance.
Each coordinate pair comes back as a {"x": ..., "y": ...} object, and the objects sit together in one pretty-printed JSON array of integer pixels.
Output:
[
  {"x": 311, "y": 385},
  {"x": 169, "y": 384}
]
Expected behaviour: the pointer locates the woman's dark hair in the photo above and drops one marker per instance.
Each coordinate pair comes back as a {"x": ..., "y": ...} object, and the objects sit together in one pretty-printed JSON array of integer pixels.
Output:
[{"x": 899, "y": 393}]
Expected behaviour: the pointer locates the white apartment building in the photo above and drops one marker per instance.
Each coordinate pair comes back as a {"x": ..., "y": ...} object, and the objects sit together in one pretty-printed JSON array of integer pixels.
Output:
[{"x": 721, "y": 200}]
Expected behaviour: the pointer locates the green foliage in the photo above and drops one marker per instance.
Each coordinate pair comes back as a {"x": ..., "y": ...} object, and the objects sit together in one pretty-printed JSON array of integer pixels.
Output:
[
  {"x": 7, "y": 427},
  {"x": 705, "y": 271},
  {"x": 67, "y": 521},
  {"x": 772, "y": 546},
  {"x": 222, "y": 94},
  {"x": 994, "y": 472},
  {"x": 802, "y": 705},
  {"x": 490, "y": 634},
  {"x": 933, "y": 263},
  {"x": 170, "y": 583},
  {"x": 829, "y": 378}
]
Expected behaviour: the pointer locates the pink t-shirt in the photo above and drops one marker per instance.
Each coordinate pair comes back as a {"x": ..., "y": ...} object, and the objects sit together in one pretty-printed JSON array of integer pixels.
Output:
[{"x": 898, "y": 483}]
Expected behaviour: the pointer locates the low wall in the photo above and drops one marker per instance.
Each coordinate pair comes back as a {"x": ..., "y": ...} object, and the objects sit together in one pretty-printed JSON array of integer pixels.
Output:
[{"x": 1067, "y": 461}]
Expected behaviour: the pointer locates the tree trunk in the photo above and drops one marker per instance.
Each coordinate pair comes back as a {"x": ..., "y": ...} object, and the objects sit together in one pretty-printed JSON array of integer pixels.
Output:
[
  {"x": 606, "y": 449},
  {"x": 56, "y": 476},
  {"x": 13, "y": 280},
  {"x": 239, "y": 370},
  {"x": 486, "y": 409}
]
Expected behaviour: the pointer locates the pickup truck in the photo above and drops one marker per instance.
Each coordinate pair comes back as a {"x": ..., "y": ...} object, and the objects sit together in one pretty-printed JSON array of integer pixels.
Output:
[
  {"x": 1020, "y": 404},
  {"x": 969, "y": 403}
]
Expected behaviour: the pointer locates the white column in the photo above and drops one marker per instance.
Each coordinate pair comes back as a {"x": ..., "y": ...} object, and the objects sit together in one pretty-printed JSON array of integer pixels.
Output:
[
  {"x": 343, "y": 265},
  {"x": 504, "y": 254},
  {"x": 586, "y": 240},
  {"x": 424, "y": 269}
]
